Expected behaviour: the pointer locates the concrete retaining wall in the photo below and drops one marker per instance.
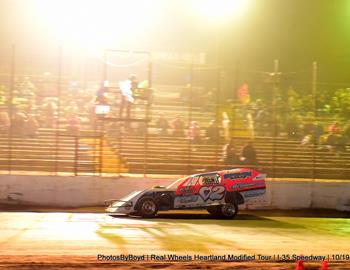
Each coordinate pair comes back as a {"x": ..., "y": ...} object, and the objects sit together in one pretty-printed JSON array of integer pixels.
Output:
[{"x": 60, "y": 191}]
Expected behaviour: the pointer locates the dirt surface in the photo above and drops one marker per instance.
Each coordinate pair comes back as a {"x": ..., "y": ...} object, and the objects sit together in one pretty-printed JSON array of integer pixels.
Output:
[
  {"x": 318, "y": 213},
  {"x": 72, "y": 239}
]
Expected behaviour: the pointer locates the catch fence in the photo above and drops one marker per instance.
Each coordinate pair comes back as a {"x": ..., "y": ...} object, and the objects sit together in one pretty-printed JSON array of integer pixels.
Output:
[{"x": 65, "y": 115}]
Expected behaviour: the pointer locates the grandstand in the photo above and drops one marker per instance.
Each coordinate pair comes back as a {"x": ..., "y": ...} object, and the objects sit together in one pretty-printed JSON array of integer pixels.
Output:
[
  {"x": 279, "y": 157},
  {"x": 113, "y": 150},
  {"x": 46, "y": 153}
]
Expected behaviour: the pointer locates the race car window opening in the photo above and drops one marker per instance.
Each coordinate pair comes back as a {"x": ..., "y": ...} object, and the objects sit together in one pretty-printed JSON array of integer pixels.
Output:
[
  {"x": 192, "y": 182},
  {"x": 176, "y": 183}
]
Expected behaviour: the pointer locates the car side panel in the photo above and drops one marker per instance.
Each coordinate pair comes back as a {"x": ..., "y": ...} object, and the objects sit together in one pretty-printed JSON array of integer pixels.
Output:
[
  {"x": 248, "y": 183},
  {"x": 202, "y": 196}
]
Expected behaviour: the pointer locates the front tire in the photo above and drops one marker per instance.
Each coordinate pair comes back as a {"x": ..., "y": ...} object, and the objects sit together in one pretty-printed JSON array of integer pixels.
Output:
[
  {"x": 228, "y": 210},
  {"x": 148, "y": 208}
]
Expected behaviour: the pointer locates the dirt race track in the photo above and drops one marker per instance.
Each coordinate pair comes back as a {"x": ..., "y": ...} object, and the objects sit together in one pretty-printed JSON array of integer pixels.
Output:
[{"x": 62, "y": 240}]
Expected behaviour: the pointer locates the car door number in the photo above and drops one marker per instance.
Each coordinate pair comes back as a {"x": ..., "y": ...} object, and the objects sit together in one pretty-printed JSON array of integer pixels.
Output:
[{"x": 213, "y": 193}]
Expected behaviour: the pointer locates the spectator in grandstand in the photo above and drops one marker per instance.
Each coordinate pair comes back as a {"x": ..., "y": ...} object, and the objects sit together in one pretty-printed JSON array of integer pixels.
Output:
[
  {"x": 178, "y": 127},
  {"x": 248, "y": 155},
  {"x": 162, "y": 125},
  {"x": 345, "y": 139},
  {"x": 4, "y": 121},
  {"x": 262, "y": 122},
  {"x": 27, "y": 88},
  {"x": 30, "y": 107},
  {"x": 331, "y": 142},
  {"x": 307, "y": 140},
  {"x": 32, "y": 126},
  {"x": 256, "y": 107},
  {"x": 315, "y": 131},
  {"x": 212, "y": 132},
  {"x": 127, "y": 90},
  {"x": 308, "y": 128},
  {"x": 101, "y": 95},
  {"x": 194, "y": 132},
  {"x": 334, "y": 128},
  {"x": 342, "y": 144},
  {"x": 318, "y": 131},
  {"x": 230, "y": 156},
  {"x": 49, "y": 112},
  {"x": 19, "y": 124}
]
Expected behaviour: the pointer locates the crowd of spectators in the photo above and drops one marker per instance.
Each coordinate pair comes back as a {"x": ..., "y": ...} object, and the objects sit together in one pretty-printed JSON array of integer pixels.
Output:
[
  {"x": 35, "y": 104},
  {"x": 333, "y": 136}
]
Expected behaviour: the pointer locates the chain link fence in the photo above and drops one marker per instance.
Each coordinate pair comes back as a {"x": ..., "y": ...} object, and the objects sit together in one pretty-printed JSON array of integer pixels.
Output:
[{"x": 66, "y": 115}]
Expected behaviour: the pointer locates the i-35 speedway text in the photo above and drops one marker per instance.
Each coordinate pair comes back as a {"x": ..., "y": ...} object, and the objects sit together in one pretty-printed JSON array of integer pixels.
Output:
[{"x": 219, "y": 192}]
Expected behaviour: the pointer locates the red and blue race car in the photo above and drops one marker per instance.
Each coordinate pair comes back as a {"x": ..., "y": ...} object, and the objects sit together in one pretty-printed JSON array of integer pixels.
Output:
[{"x": 218, "y": 192}]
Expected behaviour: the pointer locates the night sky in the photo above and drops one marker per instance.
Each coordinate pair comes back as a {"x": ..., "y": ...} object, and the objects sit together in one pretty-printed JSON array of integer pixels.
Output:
[{"x": 296, "y": 32}]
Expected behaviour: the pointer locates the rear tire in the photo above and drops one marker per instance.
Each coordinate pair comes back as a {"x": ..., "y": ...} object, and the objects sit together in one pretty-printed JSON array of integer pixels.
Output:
[{"x": 148, "y": 208}]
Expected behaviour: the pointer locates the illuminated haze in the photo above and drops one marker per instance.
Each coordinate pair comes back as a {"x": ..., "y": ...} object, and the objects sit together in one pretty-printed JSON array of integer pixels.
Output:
[{"x": 296, "y": 32}]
